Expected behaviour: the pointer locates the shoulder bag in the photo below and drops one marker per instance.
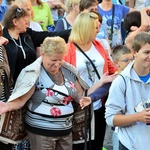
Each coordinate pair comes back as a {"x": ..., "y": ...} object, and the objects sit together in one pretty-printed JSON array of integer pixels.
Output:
[{"x": 11, "y": 123}]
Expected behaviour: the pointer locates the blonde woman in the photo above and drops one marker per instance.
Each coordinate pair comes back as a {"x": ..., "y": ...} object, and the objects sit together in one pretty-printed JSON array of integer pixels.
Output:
[
  {"x": 84, "y": 31},
  {"x": 73, "y": 11}
]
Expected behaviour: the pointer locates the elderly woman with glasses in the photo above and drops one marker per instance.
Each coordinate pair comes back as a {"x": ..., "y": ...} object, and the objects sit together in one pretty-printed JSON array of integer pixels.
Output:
[
  {"x": 49, "y": 85},
  {"x": 21, "y": 49},
  {"x": 73, "y": 11},
  {"x": 82, "y": 38}
]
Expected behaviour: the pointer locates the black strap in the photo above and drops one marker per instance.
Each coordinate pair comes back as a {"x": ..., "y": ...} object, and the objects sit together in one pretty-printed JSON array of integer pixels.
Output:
[
  {"x": 120, "y": 2},
  {"x": 112, "y": 24},
  {"x": 85, "y": 123},
  {"x": 89, "y": 60},
  {"x": 90, "y": 147},
  {"x": 59, "y": 92},
  {"x": 87, "y": 109}
]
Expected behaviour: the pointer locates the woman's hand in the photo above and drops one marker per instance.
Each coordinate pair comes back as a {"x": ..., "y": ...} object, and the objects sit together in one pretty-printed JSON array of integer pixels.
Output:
[
  {"x": 85, "y": 101},
  {"x": 54, "y": 3},
  {"x": 3, "y": 40},
  {"x": 105, "y": 78},
  {"x": 3, "y": 107}
]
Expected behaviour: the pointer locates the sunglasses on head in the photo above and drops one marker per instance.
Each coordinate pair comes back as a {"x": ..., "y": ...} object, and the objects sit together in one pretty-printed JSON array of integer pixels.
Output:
[{"x": 18, "y": 11}]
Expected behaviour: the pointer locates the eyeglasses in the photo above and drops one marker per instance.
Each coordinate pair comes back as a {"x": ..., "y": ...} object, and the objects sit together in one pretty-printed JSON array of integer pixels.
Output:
[
  {"x": 127, "y": 60},
  {"x": 18, "y": 11}
]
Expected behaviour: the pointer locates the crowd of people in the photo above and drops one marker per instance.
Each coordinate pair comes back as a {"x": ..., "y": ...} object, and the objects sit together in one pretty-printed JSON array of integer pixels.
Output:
[{"x": 76, "y": 66}]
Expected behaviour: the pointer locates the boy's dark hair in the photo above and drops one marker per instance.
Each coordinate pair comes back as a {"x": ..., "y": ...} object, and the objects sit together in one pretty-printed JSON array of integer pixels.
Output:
[
  {"x": 132, "y": 19},
  {"x": 120, "y": 50},
  {"x": 85, "y": 4}
]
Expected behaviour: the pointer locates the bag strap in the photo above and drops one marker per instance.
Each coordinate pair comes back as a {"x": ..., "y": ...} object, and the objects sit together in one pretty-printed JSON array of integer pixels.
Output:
[
  {"x": 89, "y": 60},
  {"x": 4, "y": 68},
  {"x": 90, "y": 114},
  {"x": 85, "y": 124},
  {"x": 120, "y": 2},
  {"x": 112, "y": 24},
  {"x": 7, "y": 75},
  {"x": 59, "y": 92},
  {"x": 87, "y": 110},
  {"x": 124, "y": 83}
]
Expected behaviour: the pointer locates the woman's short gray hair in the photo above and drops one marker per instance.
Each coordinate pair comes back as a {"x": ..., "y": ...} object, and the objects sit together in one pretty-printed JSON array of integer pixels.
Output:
[{"x": 53, "y": 45}]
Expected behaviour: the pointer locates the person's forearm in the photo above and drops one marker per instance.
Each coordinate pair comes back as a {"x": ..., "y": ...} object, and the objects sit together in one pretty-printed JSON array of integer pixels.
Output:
[
  {"x": 14, "y": 105},
  {"x": 20, "y": 101},
  {"x": 100, "y": 92},
  {"x": 145, "y": 20},
  {"x": 95, "y": 87},
  {"x": 63, "y": 7},
  {"x": 125, "y": 120}
]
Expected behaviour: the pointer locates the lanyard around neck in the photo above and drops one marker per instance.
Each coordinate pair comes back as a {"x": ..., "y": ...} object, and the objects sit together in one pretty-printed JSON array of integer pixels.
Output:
[{"x": 19, "y": 45}]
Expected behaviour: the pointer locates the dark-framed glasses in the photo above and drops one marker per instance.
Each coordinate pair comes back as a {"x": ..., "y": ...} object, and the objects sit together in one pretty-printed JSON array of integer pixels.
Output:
[
  {"x": 18, "y": 11},
  {"x": 127, "y": 60}
]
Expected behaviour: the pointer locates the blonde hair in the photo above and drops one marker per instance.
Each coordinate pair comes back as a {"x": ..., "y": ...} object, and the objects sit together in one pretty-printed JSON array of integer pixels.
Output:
[
  {"x": 70, "y": 3},
  {"x": 53, "y": 45},
  {"x": 24, "y": 3},
  {"x": 84, "y": 28}
]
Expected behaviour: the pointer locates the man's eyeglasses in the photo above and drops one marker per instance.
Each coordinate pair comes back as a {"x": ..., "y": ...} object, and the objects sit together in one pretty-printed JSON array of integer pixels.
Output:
[
  {"x": 127, "y": 60},
  {"x": 18, "y": 11}
]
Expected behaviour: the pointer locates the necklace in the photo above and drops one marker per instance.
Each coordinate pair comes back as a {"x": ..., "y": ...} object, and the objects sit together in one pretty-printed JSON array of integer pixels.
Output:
[
  {"x": 20, "y": 46},
  {"x": 57, "y": 78}
]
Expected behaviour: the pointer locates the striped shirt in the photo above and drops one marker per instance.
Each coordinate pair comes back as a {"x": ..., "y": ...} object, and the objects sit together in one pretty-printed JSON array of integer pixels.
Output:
[{"x": 3, "y": 98}]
